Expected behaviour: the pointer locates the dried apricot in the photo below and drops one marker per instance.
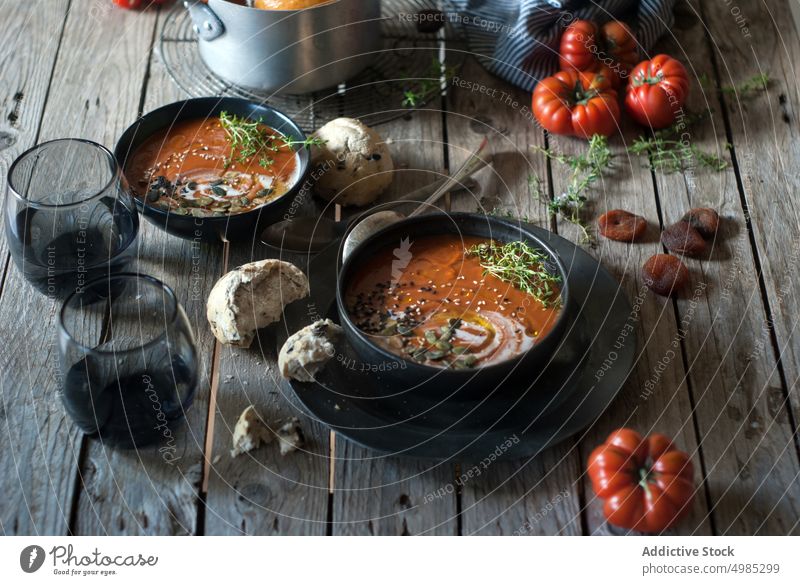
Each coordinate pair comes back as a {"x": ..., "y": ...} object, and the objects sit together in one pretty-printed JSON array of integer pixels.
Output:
[
  {"x": 682, "y": 238},
  {"x": 665, "y": 274},
  {"x": 621, "y": 225},
  {"x": 704, "y": 219}
]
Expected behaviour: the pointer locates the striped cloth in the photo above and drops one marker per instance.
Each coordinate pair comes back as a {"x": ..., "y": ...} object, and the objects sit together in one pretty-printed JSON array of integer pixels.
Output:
[{"x": 518, "y": 39}]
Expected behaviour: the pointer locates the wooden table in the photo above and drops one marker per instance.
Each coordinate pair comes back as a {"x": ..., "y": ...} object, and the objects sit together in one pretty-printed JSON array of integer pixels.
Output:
[{"x": 723, "y": 361}]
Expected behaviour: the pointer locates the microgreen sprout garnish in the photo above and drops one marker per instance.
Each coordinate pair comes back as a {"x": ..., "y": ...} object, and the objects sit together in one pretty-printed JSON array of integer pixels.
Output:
[
  {"x": 521, "y": 265},
  {"x": 250, "y": 137}
]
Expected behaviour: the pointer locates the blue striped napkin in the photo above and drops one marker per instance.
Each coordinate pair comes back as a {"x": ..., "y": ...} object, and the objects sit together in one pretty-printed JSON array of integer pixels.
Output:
[{"x": 518, "y": 39}]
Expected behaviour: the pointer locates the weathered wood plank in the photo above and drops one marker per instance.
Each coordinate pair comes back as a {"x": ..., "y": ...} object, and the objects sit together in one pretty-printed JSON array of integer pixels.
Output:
[
  {"x": 655, "y": 398},
  {"x": 143, "y": 492},
  {"x": 745, "y": 433},
  {"x": 755, "y": 455},
  {"x": 387, "y": 495},
  {"x": 540, "y": 495},
  {"x": 39, "y": 452},
  {"x": 262, "y": 492}
]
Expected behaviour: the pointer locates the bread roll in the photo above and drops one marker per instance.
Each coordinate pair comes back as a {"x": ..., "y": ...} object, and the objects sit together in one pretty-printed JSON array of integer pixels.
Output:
[
  {"x": 353, "y": 166},
  {"x": 251, "y": 297}
]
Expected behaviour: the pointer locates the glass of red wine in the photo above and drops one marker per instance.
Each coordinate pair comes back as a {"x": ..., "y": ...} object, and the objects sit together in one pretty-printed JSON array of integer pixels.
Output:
[
  {"x": 70, "y": 216},
  {"x": 129, "y": 361}
]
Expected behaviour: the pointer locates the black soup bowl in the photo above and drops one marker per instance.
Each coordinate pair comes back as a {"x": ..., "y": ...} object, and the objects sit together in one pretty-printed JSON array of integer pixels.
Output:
[
  {"x": 437, "y": 383},
  {"x": 234, "y": 227}
]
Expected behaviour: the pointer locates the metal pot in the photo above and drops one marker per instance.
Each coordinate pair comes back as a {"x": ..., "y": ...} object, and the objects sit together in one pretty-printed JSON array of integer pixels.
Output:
[{"x": 287, "y": 51}]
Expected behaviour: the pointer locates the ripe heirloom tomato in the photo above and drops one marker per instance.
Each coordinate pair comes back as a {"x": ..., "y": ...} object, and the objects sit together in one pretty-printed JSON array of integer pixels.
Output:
[
  {"x": 657, "y": 90},
  {"x": 610, "y": 49},
  {"x": 576, "y": 103},
  {"x": 647, "y": 484},
  {"x": 136, "y": 4},
  {"x": 621, "y": 44},
  {"x": 574, "y": 51}
]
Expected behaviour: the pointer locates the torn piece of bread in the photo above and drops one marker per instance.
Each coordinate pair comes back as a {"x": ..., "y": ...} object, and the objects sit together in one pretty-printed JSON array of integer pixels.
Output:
[
  {"x": 250, "y": 432},
  {"x": 251, "y": 297},
  {"x": 306, "y": 352},
  {"x": 290, "y": 436}
]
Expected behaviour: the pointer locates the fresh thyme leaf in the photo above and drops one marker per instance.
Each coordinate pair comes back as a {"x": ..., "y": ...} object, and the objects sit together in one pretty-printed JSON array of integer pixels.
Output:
[
  {"x": 682, "y": 123},
  {"x": 521, "y": 265},
  {"x": 250, "y": 137},
  {"x": 428, "y": 85},
  {"x": 586, "y": 168},
  {"x": 308, "y": 142},
  {"x": 670, "y": 156},
  {"x": 755, "y": 84},
  {"x": 411, "y": 98}
]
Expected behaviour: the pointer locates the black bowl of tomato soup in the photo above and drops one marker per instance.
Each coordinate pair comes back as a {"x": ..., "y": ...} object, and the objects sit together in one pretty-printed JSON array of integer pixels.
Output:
[
  {"x": 211, "y": 168},
  {"x": 454, "y": 304}
]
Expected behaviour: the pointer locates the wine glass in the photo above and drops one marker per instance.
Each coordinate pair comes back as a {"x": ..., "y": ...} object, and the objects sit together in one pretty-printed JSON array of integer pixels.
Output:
[
  {"x": 70, "y": 216},
  {"x": 129, "y": 361}
]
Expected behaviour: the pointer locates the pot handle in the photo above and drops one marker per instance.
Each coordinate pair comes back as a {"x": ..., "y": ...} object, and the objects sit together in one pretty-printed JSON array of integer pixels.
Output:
[{"x": 207, "y": 24}]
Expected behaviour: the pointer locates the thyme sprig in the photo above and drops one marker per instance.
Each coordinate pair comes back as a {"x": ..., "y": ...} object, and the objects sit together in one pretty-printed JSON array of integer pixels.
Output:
[
  {"x": 250, "y": 137},
  {"x": 521, "y": 265},
  {"x": 428, "y": 85},
  {"x": 670, "y": 156},
  {"x": 587, "y": 168},
  {"x": 753, "y": 85}
]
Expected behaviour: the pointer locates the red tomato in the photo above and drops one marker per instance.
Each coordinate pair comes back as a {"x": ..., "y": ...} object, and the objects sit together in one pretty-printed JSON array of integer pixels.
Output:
[
  {"x": 647, "y": 484},
  {"x": 620, "y": 43},
  {"x": 136, "y": 4},
  {"x": 656, "y": 92},
  {"x": 576, "y": 103},
  {"x": 574, "y": 51},
  {"x": 610, "y": 49}
]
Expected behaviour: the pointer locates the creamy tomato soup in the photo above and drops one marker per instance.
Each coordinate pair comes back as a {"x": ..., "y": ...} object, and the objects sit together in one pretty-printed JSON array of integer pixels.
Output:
[
  {"x": 432, "y": 301},
  {"x": 287, "y": 4},
  {"x": 194, "y": 168}
]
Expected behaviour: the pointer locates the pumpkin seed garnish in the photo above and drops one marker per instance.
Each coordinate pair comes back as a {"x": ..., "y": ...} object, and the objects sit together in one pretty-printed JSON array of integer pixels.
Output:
[
  {"x": 390, "y": 329},
  {"x": 430, "y": 336},
  {"x": 218, "y": 191}
]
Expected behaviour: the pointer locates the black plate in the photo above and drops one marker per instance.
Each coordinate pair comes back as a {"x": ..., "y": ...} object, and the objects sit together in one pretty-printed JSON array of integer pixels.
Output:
[{"x": 518, "y": 419}]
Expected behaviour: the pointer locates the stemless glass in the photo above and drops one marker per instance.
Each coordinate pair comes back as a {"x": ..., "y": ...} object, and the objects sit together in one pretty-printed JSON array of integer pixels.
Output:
[
  {"x": 70, "y": 217},
  {"x": 129, "y": 361}
]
